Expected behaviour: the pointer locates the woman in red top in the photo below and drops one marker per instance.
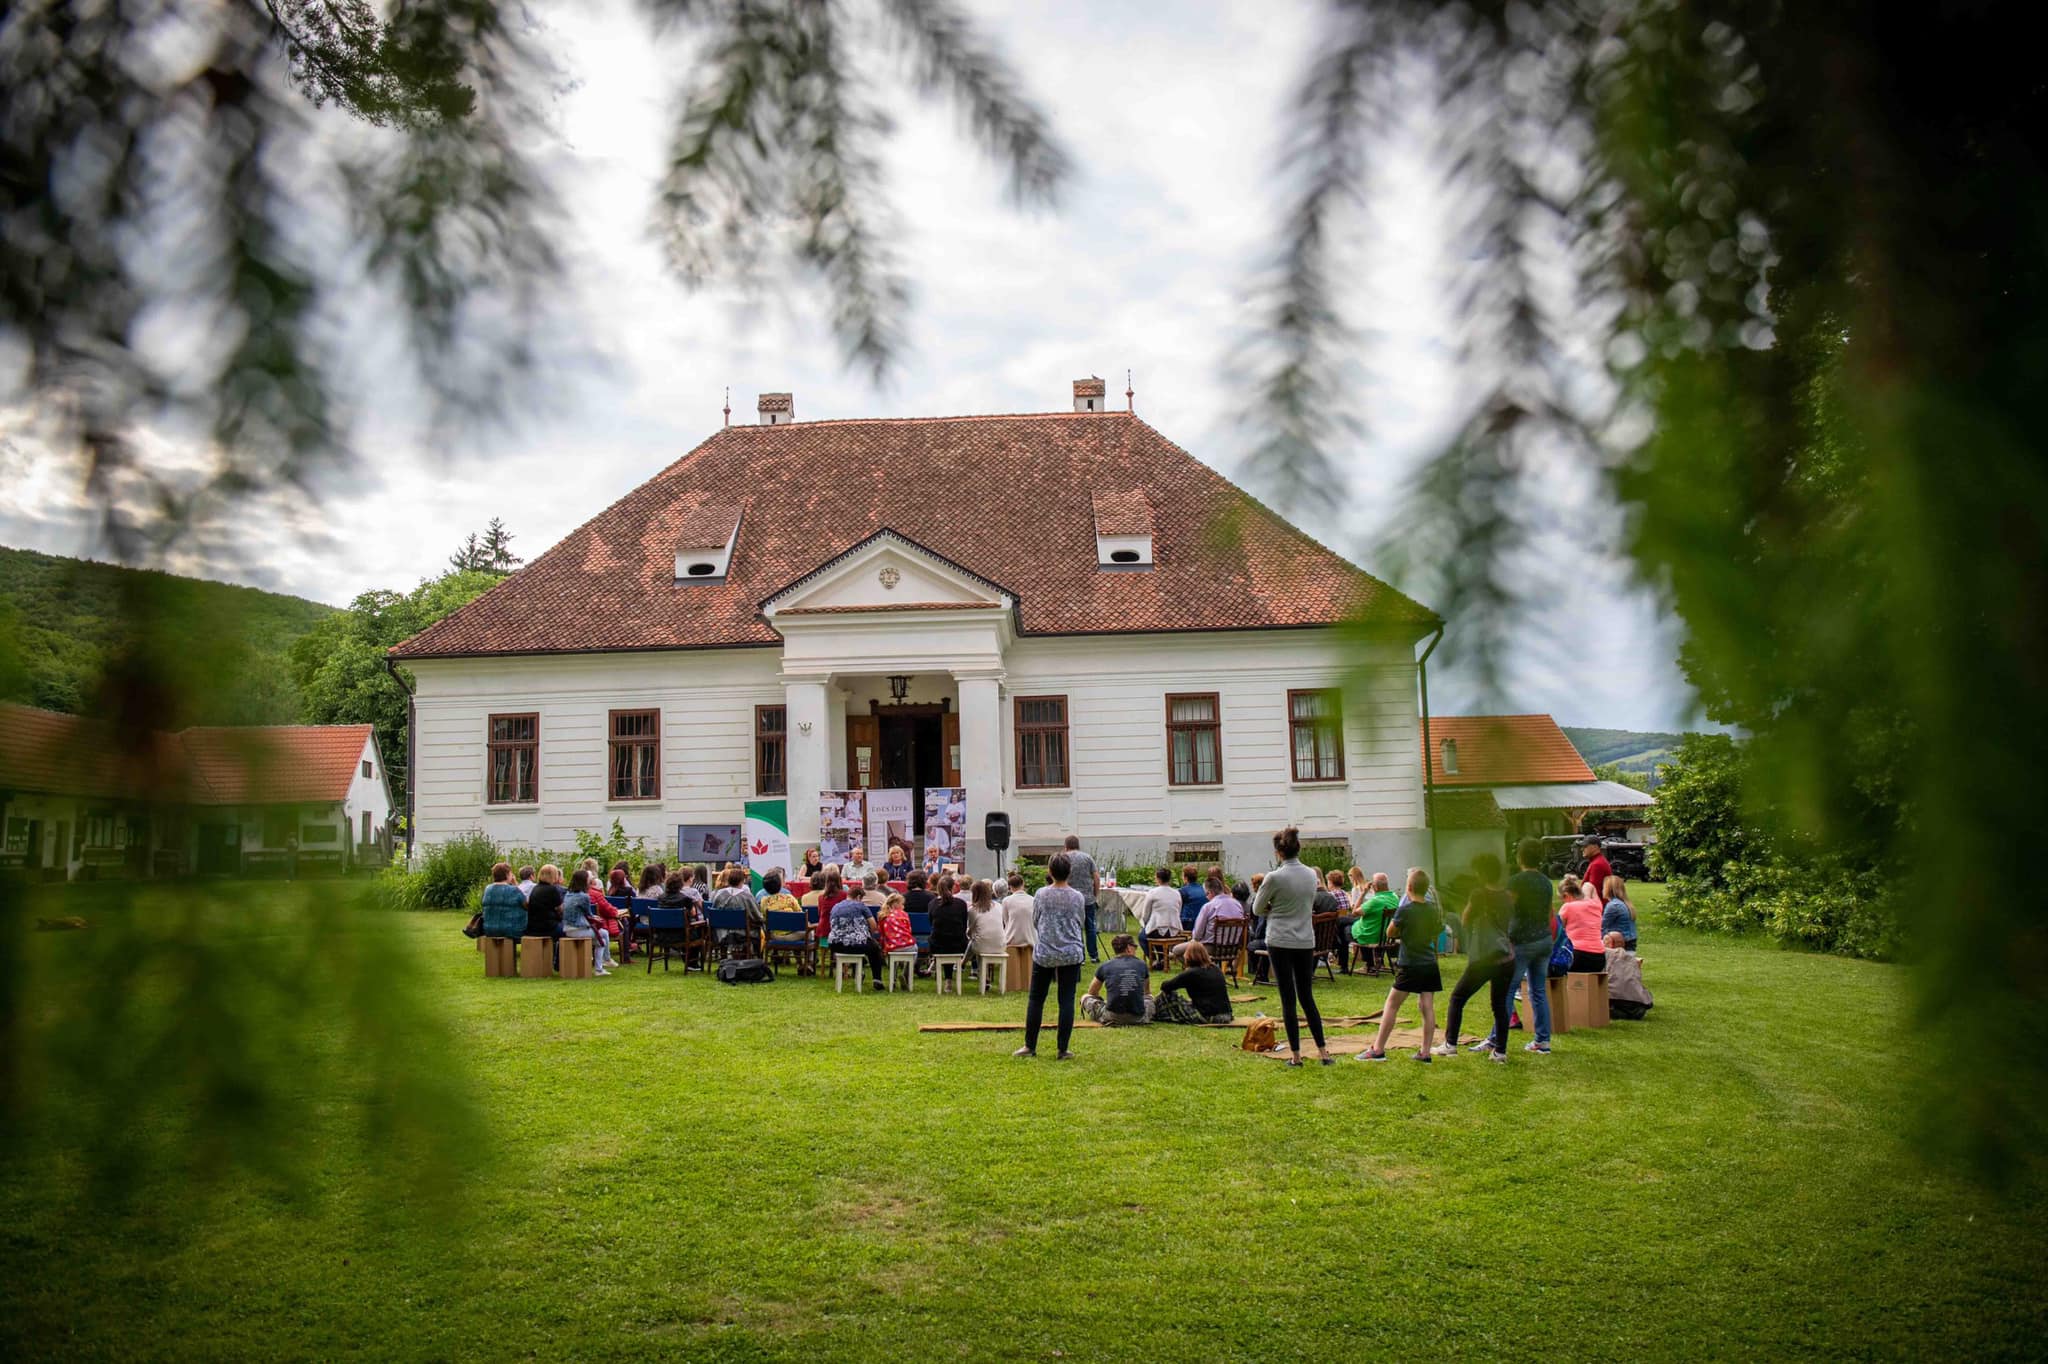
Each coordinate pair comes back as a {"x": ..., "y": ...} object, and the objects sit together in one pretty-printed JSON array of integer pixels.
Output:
[
  {"x": 834, "y": 892},
  {"x": 1581, "y": 913}
]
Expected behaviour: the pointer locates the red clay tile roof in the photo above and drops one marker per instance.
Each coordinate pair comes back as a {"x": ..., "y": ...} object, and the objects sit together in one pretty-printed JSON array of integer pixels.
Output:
[
  {"x": 276, "y": 764},
  {"x": 1124, "y": 512},
  {"x": 69, "y": 755},
  {"x": 1504, "y": 750},
  {"x": 1088, "y": 388},
  {"x": 1020, "y": 489},
  {"x": 709, "y": 529}
]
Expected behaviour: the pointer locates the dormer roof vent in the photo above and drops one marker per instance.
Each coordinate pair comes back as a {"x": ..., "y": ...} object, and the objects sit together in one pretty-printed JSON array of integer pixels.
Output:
[
  {"x": 777, "y": 409},
  {"x": 1088, "y": 395},
  {"x": 1450, "y": 762},
  {"x": 704, "y": 547},
  {"x": 1123, "y": 529}
]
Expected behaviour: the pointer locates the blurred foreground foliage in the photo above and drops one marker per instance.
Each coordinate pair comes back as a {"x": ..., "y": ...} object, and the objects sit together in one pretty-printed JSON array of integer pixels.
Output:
[
  {"x": 210, "y": 210},
  {"x": 220, "y": 1041},
  {"x": 1772, "y": 280}
]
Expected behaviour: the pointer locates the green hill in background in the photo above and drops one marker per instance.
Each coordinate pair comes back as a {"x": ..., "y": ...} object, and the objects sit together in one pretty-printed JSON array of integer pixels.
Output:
[
  {"x": 65, "y": 622},
  {"x": 1632, "y": 750}
]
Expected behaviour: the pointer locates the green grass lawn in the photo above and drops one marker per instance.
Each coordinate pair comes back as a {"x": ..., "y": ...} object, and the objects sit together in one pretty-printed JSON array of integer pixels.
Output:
[{"x": 675, "y": 1168}]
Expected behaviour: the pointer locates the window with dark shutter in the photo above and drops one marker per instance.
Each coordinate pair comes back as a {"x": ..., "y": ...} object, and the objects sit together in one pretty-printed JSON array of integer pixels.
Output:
[
  {"x": 771, "y": 750},
  {"x": 1041, "y": 741},
  {"x": 1194, "y": 740},
  {"x": 512, "y": 771},
  {"x": 1315, "y": 724},
  {"x": 635, "y": 755}
]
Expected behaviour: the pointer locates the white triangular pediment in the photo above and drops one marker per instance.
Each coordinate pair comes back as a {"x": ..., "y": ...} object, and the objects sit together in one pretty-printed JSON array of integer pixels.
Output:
[{"x": 885, "y": 573}]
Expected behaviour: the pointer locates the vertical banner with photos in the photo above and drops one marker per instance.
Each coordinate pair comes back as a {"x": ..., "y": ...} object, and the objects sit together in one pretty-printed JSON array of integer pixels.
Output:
[
  {"x": 767, "y": 835},
  {"x": 945, "y": 823},
  {"x": 889, "y": 822},
  {"x": 842, "y": 824}
]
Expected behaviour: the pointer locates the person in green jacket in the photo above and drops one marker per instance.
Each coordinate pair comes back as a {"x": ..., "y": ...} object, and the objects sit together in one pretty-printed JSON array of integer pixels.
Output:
[{"x": 1370, "y": 928}]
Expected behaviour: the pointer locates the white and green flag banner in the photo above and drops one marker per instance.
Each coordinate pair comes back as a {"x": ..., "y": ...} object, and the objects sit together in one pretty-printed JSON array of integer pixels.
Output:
[{"x": 767, "y": 835}]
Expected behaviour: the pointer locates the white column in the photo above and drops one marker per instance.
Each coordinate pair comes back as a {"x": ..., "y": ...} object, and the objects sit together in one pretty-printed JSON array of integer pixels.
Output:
[
  {"x": 836, "y": 698},
  {"x": 808, "y": 766},
  {"x": 981, "y": 760}
]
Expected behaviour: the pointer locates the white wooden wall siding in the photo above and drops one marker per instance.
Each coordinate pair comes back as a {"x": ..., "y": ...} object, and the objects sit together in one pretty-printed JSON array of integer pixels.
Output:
[{"x": 1115, "y": 689}]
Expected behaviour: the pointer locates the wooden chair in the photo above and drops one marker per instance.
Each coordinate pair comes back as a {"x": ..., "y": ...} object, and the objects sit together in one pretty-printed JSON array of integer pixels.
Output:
[
  {"x": 1329, "y": 942},
  {"x": 1227, "y": 947},
  {"x": 1158, "y": 945}
]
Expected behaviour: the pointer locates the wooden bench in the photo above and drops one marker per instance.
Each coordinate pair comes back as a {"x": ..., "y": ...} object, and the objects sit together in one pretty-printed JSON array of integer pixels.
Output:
[{"x": 536, "y": 958}]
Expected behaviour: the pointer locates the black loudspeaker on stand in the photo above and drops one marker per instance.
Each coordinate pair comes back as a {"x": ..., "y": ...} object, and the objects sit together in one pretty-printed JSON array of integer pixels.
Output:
[{"x": 996, "y": 834}]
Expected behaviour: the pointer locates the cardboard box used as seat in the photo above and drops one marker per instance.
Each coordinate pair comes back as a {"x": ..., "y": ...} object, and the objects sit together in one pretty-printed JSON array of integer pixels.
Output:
[
  {"x": 577, "y": 954},
  {"x": 1584, "y": 999},
  {"x": 1559, "y": 1021},
  {"x": 536, "y": 958},
  {"x": 501, "y": 956}
]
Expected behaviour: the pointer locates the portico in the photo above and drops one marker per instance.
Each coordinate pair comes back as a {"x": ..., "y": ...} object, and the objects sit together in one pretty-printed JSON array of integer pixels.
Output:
[{"x": 891, "y": 611}]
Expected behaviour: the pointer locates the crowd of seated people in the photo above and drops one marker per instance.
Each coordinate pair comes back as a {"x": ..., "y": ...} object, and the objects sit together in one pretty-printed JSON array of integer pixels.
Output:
[{"x": 1508, "y": 930}]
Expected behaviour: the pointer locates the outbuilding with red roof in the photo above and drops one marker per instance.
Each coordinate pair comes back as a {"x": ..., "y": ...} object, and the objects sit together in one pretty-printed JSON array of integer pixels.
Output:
[{"x": 79, "y": 800}]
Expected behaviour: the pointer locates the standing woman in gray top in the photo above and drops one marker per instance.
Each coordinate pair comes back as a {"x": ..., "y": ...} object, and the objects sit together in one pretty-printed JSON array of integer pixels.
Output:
[
  {"x": 1287, "y": 899},
  {"x": 1058, "y": 909}
]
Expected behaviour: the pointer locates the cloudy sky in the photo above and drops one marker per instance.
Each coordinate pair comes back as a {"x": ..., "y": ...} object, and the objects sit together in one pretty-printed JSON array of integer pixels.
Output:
[{"x": 1173, "y": 115}]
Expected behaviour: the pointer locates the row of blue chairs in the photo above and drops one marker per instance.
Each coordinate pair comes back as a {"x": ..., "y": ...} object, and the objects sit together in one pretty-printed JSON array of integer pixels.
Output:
[{"x": 787, "y": 933}]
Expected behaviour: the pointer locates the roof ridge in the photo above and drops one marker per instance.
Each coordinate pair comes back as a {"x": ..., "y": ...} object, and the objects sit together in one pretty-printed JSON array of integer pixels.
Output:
[{"x": 952, "y": 417}]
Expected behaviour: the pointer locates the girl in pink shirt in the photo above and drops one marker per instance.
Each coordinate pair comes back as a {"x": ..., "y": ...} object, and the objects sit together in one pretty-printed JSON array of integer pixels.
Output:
[{"x": 1581, "y": 914}]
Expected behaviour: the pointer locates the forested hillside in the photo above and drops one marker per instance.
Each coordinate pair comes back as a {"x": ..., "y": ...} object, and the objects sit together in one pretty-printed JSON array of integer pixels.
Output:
[
  {"x": 64, "y": 623},
  {"x": 1632, "y": 750}
]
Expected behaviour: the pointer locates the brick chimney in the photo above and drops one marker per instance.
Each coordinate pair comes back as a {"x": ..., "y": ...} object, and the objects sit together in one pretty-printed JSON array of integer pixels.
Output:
[
  {"x": 777, "y": 409},
  {"x": 1088, "y": 395}
]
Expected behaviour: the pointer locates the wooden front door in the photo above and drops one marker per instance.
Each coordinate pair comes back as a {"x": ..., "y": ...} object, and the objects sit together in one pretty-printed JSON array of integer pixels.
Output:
[
  {"x": 951, "y": 745},
  {"x": 863, "y": 736}
]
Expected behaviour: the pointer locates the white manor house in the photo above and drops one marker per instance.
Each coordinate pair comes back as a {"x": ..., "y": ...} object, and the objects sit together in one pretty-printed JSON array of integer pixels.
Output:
[{"x": 1064, "y": 613}]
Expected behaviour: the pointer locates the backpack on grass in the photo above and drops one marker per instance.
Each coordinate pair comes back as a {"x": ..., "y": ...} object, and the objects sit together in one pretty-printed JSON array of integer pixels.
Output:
[{"x": 744, "y": 971}]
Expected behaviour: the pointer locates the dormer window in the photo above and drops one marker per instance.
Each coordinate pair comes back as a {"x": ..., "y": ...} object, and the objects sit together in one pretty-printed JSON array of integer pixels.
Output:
[
  {"x": 704, "y": 549},
  {"x": 1123, "y": 530},
  {"x": 1450, "y": 752}
]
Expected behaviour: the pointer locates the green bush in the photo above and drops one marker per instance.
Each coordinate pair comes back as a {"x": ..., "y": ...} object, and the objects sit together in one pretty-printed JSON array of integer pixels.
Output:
[
  {"x": 394, "y": 887},
  {"x": 1815, "y": 905},
  {"x": 450, "y": 871},
  {"x": 611, "y": 849}
]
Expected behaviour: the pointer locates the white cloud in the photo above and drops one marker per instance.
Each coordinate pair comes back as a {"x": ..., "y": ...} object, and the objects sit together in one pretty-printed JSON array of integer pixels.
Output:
[{"x": 1173, "y": 115}]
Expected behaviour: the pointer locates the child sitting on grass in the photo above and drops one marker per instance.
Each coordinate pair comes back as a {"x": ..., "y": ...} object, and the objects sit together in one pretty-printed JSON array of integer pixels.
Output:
[{"x": 1627, "y": 996}]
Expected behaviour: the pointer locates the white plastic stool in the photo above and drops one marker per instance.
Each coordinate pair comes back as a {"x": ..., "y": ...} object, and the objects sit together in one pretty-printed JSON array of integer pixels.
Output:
[
  {"x": 858, "y": 961},
  {"x": 957, "y": 962},
  {"x": 1001, "y": 966},
  {"x": 907, "y": 959}
]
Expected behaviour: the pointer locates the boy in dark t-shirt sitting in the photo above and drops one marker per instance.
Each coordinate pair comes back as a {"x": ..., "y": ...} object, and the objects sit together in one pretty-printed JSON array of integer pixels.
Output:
[{"x": 1121, "y": 992}]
